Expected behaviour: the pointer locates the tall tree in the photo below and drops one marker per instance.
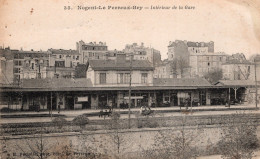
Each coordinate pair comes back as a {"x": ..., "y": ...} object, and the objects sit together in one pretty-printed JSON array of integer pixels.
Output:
[
  {"x": 214, "y": 76},
  {"x": 170, "y": 144},
  {"x": 80, "y": 71},
  {"x": 178, "y": 65},
  {"x": 117, "y": 138},
  {"x": 36, "y": 147}
]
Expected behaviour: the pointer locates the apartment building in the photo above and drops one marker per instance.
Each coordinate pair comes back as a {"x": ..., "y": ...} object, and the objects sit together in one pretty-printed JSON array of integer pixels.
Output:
[
  {"x": 140, "y": 52},
  {"x": 91, "y": 51},
  {"x": 202, "y": 63}
]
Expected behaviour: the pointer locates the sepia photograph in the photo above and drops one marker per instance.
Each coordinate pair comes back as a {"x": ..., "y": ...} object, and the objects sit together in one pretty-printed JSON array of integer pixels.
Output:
[{"x": 129, "y": 79}]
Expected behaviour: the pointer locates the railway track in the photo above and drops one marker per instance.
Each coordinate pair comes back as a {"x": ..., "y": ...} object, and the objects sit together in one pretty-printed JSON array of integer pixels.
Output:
[{"x": 49, "y": 127}]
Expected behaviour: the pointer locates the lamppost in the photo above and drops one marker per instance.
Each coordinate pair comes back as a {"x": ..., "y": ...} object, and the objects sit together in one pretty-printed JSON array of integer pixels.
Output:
[{"x": 129, "y": 93}]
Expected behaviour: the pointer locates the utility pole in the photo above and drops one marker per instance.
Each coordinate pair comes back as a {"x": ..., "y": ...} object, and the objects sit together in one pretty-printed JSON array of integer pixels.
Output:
[
  {"x": 256, "y": 93},
  {"x": 229, "y": 97},
  {"x": 51, "y": 105},
  {"x": 191, "y": 99},
  {"x": 39, "y": 73},
  {"x": 130, "y": 100}
]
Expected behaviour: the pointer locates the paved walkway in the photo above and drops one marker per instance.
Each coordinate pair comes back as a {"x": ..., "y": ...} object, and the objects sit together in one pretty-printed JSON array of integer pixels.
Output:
[
  {"x": 89, "y": 111},
  {"x": 173, "y": 111}
]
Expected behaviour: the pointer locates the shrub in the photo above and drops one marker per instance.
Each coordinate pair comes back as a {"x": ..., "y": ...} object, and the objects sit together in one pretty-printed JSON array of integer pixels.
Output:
[
  {"x": 151, "y": 124},
  {"x": 148, "y": 123},
  {"x": 5, "y": 110},
  {"x": 115, "y": 115},
  {"x": 59, "y": 122},
  {"x": 239, "y": 137},
  {"x": 80, "y": 120}
]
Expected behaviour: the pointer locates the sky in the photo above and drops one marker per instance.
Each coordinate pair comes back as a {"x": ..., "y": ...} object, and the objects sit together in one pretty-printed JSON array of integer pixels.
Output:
[{"x": 233, "y": 25}]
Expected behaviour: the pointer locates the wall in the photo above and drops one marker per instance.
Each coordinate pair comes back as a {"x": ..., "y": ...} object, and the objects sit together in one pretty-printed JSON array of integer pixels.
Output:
[
  {"x": 180, "y": 49},
  {"x": 136, "y": 140},
  {"x": 6, "y": 71},
  {"x": 204, "y": 63}
]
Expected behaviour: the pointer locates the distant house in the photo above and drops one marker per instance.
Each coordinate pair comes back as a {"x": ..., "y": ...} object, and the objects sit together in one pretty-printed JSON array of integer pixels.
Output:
[
  {"x": 235, "y": 69},
  {"x": 62, "y": 63},
  {"x": 92, "y": 50},
  {"x": 30, "y": 64},
  {"x": 203, "y": 63},
  {"x": 165, "y": 69}
]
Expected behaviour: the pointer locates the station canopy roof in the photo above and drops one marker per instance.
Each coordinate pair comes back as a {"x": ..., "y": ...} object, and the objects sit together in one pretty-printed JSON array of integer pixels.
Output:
[
  {"x": 236, "y": 83},
  {"x": 83, "y": 84},
  {"x": 182, "y": 82}
]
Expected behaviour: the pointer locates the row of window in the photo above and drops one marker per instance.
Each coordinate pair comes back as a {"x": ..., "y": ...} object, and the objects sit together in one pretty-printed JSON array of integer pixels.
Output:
[
  {"x": 122, "y": 78},
  {"x": 211, "y": 58},
  {"x": 62, "y": 56},
  {"x": 36, "y": 55},
  {"x": 94, "y": 48},
  {"x": 93, "y": 55},
  {"x": 206, "y": 64}
]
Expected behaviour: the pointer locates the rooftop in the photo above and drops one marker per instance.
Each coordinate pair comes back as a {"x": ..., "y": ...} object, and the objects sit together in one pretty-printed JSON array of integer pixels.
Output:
[
  {"x": 236, "y": 61},
  {"x": 94, "y": 43},
  {"x": 190, "y": 43},
  {"x": 56, "y": 83},
  {"x": 62, "y": 51},
  {"x": 237, "y": 83},
  {"x": 106, "y": 65},
  {"x": 209, "y": 54},
  {"x": 181, "y": 82},
  {"x": 30, "y": 52}
]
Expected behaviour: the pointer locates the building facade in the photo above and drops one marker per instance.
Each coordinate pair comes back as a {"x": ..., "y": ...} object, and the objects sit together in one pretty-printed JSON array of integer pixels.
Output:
[
  {"x": 182, "y": 49},
  {"x": 202, "y": 63},
  {"x": 165, "y": 70},
  {"x": 140, "y": 52},
  {"x": 29, "y": 64},
  {"x": 92, "y": 50},
  {"x": 6, "y": 71},
  {"x": 62, "y": 63},
  {"x": 238, "y": 70},
  {"x": 117, "y": 72}
]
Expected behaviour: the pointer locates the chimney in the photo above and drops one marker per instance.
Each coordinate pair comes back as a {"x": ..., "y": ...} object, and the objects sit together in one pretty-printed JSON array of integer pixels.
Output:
[{"x": 120, "y": 58}]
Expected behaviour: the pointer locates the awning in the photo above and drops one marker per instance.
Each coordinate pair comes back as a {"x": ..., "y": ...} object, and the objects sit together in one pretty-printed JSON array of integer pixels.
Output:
[{"x": 134, "y": 97}]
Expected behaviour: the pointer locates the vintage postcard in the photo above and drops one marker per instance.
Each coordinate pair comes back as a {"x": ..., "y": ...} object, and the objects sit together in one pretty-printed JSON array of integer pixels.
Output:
[{"x": 130, "y": 79}]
